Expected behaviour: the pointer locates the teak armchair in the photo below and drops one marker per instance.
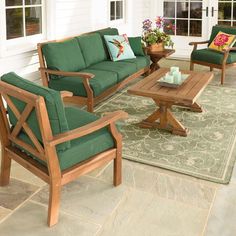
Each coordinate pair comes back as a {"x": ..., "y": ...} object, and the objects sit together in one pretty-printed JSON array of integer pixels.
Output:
[
  {"x": 213, "y": 59},
  {"x": 47, "y": 153}
]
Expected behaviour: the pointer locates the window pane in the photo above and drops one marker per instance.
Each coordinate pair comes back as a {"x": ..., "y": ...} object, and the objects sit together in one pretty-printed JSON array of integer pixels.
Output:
[
  {"x": 226, "y": 23},
  {"x": 169, "y": 9},
  {"x": 33, "y": 20},
  {"x": 14, "y": 20},
  {"x": 224, "y": 11},
  {"x": 169, "y": 27},
  {"x": 14, "y": 2},
  {"x": 119, "y": 10},
  {"x": 234, "y": 13},
  {"x": 112, "y": 11},
  {"x": 196, "y": 10},
  {"x": 195, "y": 28},
  {"x": 182, "y": 27},
  {"x": 32, "y": 2},
  {"x": 182, "y": 10}
]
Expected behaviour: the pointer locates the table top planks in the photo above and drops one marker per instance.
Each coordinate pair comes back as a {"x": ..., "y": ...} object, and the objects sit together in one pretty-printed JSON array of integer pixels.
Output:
[{"x": 186, "y": 93}]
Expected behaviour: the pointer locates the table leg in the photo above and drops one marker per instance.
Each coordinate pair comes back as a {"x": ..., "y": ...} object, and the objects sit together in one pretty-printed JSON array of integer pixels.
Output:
[
  {"x": 166, "y": 119},
  {"x": 196, "y": 107},
  {"x": 154, "y": 66}
]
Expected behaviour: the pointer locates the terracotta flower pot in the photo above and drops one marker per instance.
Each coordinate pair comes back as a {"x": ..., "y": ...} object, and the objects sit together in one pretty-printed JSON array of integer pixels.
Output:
[{"x": 157, "y": 47}]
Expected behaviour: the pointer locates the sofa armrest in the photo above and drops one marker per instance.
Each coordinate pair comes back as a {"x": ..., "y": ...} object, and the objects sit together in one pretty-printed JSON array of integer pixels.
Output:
[
  {"x": 68, "y": 73},
  {"x": 89, "y": 128},
  {"x": 65, "y": 94}
]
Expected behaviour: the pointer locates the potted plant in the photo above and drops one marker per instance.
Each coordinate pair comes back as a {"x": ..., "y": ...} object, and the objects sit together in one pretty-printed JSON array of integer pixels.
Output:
[{"x": 154, "y": 38}]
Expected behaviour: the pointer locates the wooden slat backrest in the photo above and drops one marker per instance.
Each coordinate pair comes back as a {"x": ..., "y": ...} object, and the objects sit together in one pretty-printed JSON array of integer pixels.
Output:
[{"x": 7, "y": 92}]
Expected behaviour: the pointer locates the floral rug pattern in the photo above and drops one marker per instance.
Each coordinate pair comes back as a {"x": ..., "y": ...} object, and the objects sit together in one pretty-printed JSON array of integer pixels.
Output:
[{"x": 208, "y": 152}]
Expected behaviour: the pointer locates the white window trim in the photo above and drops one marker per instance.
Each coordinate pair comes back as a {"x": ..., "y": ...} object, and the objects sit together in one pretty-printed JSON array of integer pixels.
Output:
[
  {"x": 21, "y": 45},
  {"x": 120, "y": 21}
]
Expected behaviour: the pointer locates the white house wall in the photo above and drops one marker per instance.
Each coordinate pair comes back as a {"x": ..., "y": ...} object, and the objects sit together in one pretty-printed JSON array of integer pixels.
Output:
[{"x": 72, "y": 17}]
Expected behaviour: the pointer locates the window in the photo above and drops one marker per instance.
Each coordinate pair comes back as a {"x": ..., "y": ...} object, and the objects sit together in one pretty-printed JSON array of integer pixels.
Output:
[
  {"x": 116, "y": 10},
  {"x": 186, "y": 15},
  {"x": 227, "y": 12},
  {"x": 23, "y": 18}
]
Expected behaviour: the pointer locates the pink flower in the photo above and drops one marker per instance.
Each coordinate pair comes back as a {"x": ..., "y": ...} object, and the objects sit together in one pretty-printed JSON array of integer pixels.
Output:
[{"x": 221, "y": 40}]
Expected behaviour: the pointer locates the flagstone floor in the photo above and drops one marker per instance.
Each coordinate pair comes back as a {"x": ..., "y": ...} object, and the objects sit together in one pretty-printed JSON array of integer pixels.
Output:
[{"x": 151, "y": 201}]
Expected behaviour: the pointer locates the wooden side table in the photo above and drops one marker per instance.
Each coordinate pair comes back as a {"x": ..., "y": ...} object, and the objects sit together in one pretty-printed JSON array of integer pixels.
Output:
[{"x": 157, "y": 56}]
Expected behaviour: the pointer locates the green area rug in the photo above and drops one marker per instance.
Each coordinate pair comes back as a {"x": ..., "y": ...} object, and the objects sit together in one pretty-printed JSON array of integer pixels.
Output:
[{"x": 208, "y": 152}]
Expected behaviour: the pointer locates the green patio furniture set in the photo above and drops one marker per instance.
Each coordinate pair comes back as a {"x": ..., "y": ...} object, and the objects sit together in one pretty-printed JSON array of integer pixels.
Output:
[{"x": 58, "y": 143}]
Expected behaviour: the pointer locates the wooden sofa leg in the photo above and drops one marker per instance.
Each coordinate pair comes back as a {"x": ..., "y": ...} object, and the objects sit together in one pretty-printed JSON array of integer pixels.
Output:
[
  {"x": 223, "y": 75},
  {"x": 54, "y": 203},
  {"x": 117, "y": 178},
  {"x": 5, "y": 168},
  {"x": 211, "y": 68},
  {"x": 191, "y": 66}
]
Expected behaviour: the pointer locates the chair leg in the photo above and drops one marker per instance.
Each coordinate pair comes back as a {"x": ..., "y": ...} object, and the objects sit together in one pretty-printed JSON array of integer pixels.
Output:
[
  {"x": 191, "y": 66},
  {"x": 223, "y": 75},
  {"x": 211, "y": 68},
  {"x": 117, "y": 169},
  {"x": 5, "y": 168},
  {"x": 54, "y": 203}
]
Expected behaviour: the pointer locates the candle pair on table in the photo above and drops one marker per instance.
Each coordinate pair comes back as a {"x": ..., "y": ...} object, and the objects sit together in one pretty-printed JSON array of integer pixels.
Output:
[{"x": 174, "y": 76}]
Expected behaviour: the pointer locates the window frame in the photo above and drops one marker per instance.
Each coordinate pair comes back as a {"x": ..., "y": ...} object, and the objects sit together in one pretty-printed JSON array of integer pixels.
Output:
[
  {"x": 10, "y": 47},
  {"x": 188, "y": 19},
  {"x": 116, "y": 21}
]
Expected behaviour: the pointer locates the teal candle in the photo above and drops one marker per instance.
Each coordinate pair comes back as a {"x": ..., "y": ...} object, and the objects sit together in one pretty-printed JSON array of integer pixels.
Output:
[
  {"x": 169, "y": 78},
  {"x": 177, "y": 77},
  {"x": 174, "y": 69}
]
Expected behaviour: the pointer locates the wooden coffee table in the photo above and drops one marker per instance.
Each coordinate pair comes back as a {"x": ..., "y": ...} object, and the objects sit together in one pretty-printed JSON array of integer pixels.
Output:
[{"x": 185, "y": 95}]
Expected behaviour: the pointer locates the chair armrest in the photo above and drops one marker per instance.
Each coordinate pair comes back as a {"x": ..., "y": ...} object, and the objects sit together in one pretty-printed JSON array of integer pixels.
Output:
[
  {"x": 65, "y": 94},
  {"x": 68, "y": 73},
  {"x": 196, "y": 43},
  {"x": 89, "y": 128},
  {"x": 229, "y": 49}
]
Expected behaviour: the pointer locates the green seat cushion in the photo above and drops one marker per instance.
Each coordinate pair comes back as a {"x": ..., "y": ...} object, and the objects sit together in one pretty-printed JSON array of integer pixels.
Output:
[
  {"x": 64, "y": 56},
  {"x": 92, "y": 48},
  {"x": 217, "y": 28},
  {"x": 53, "y": 102},
  {"x": 107, "y": 31},
  {"x": 208, "y": 55},
  {"x": 136, "y": 45},
  {"x": 140, "y": 61},
  {"x": 123, "y": 69},
  {"x": 101, "y": 82},
  {"x": 87, "y": 146}
]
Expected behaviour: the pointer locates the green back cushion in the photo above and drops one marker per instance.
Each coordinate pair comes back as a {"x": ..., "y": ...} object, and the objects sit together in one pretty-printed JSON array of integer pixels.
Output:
[
  {"x": 217, "y": 28},
  {"x": 53, "y": 102},
  {"x": 92, "y": 48},
  {"x": 64, "y": 56},
  {"x": 107, "y": 31},
  {"x": 136, "y": 45}
]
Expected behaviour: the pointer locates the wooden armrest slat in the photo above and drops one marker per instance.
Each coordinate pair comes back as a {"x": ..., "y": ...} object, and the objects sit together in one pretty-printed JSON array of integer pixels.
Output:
[
  {"x": 89, "y": 128},
  {"x": 68, "y": 73},
  {"x": 65, "y": 94},
  {"x": 196, "y": 43}
]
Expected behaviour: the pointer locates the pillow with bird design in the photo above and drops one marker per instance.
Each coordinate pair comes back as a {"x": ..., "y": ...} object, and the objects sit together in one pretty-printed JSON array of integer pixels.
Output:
[{"x": 119, "y": 47}]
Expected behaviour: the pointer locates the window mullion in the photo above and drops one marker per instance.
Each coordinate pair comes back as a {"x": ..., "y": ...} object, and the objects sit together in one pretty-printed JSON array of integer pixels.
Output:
[{"x": 24, "y": 23}]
